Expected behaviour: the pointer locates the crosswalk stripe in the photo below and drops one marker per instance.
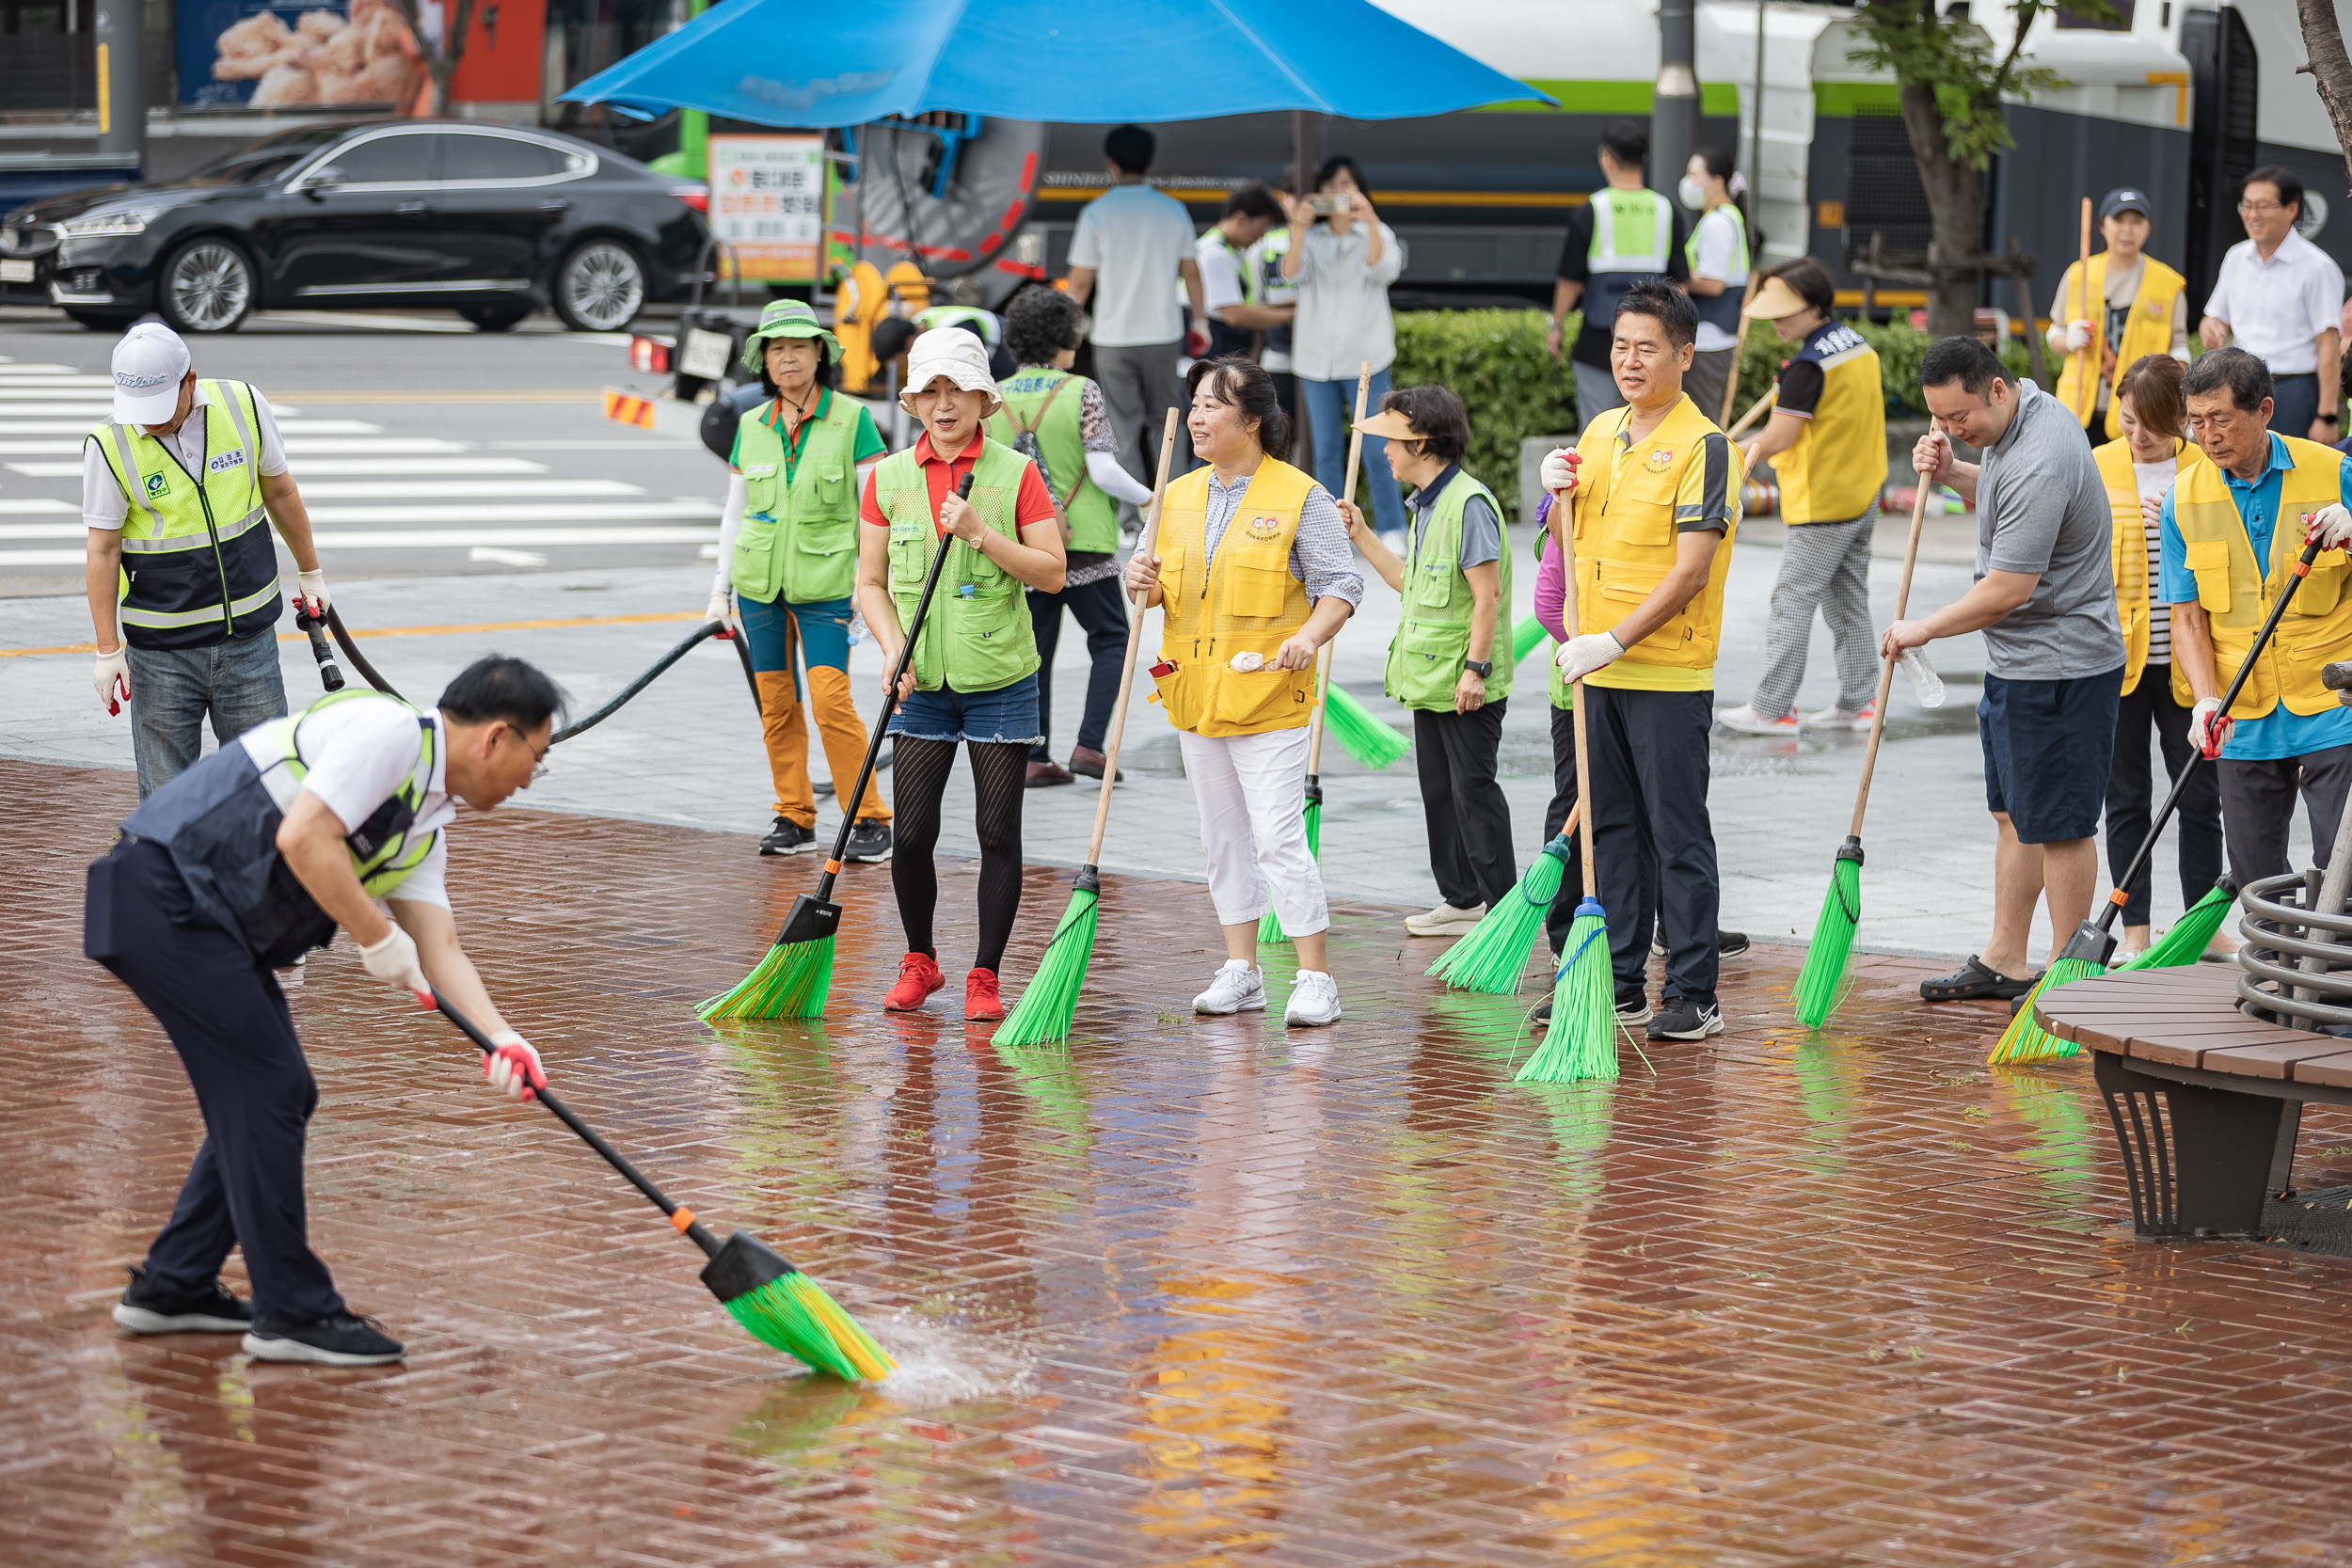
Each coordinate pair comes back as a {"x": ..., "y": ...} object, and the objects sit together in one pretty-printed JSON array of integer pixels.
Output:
[
  {"x": 13, "y": 367},
  {"x": 90, "y": 413},
  {"x": 461, "y": 489},
  {"x": 296, "y": 446},
  {"x": 41, "y": 558},
  {"x": 43, "y": 503},
  {"x": 593, "y": 512},
  {"x": 285, "y": 427},
  {"x": 339, "y": 466}
]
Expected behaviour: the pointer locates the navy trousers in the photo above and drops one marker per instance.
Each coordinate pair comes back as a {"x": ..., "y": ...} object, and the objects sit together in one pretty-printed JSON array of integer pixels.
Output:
[
  {"x": 1652, "y": 837},
  {"x": 1102, "y": 613},
  {"x": 229, "y": 1022}
]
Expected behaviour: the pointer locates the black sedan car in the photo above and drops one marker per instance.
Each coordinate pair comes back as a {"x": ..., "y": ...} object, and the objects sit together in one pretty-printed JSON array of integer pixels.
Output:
[{"x": 489, "y": 221}]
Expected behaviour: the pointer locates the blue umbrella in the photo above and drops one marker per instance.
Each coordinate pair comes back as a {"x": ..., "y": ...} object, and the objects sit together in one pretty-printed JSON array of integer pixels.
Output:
[{"x": 785, "y": 62}]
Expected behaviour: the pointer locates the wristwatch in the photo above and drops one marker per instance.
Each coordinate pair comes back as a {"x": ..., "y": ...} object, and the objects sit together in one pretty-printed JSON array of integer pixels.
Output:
[
  {"x": 1484, "y": 670},
  {"x": 2330, "y": 418}
]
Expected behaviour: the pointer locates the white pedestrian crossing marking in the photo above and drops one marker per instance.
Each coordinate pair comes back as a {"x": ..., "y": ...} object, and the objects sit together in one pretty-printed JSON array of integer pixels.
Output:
[
  {"x": 339, "y": 466},
  {"x": 285, "y": 427},
  {"x": 461, "y": 489},
  {"x": 32, "y": 505},
  {"x": 592, "y": 512}
]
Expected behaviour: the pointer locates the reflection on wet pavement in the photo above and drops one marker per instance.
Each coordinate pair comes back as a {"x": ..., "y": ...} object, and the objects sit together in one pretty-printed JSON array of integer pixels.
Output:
[{"x": 1194, "y": 1292}]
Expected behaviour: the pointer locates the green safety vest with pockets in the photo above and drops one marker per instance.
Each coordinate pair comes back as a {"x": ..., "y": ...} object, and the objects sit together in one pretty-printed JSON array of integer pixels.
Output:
[
  {"x": 1033, "y": 404},
  {"x": 1426, "y": 657},
  {"x": 799, "y": 535},
  {"x": 197, "y": 566},
  {"x": 1632, "y": 239},
  {"x": 383, "y": 849},
  {"x": 977, "y": 636}
]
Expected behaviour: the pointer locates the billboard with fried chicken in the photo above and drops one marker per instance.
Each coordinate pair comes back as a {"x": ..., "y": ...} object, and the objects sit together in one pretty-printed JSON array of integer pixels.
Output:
[{"x": 266, "y": 56}]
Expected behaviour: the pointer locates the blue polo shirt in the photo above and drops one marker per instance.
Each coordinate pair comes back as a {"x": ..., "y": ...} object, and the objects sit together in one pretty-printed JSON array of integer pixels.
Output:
[{"x": 2279, "y": 733}]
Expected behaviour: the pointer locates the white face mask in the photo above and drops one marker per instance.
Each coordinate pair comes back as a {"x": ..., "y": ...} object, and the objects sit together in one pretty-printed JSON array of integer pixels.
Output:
[{"x": 1691, "y": 192}]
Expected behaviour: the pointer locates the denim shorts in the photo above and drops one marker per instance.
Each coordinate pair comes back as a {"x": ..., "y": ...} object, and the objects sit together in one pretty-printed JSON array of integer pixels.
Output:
[
  {"x": 2048, "y": 749},
  {"x": 1005, "y": 716}
]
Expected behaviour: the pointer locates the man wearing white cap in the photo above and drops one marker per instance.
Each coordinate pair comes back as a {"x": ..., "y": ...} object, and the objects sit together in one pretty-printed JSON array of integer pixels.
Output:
[{"x": 182, "y": 579}]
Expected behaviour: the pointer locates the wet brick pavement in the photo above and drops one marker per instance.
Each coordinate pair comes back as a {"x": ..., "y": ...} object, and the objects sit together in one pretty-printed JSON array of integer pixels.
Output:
[{"x": 1198, "y": 1292}]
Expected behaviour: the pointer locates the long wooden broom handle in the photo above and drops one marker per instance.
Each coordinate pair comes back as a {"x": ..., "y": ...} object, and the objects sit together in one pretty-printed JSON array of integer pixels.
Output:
[
  {"x": 1134, "y": 645},
  {"x": 2089, "y": 375},
  {"x": 1731, "y": 382},
  {"x": 1322, "y": 658},
  {"x": 1755, "y": 409},
  {"x": 1563, "y": 518},
  {"x": 1886, "y": 666}
]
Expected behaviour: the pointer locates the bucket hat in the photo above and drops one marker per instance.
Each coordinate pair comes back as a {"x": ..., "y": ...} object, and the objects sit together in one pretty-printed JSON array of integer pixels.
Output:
[
  {"x": 958, "y": 355},
  {"x": 785, "y": 318}
]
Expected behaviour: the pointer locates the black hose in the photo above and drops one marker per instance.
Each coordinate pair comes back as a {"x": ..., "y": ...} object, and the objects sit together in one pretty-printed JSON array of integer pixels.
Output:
[
  {"x": 708, "y": 630},
  {"x": 351, "y": 651}
]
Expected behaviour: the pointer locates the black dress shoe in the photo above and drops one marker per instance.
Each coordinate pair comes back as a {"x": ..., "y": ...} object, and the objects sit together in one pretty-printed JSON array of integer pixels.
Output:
[{"x": 788, "y": 837}]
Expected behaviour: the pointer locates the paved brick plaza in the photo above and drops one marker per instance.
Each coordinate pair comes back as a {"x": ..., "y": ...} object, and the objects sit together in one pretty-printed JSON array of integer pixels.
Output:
[{"x": 1196, "y": 1294}]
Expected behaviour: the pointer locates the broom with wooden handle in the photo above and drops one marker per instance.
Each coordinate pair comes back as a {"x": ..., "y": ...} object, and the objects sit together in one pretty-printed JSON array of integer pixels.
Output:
[
  {"x": 1050, "y": 1003},
  {"x": 2087, "y": 395}
]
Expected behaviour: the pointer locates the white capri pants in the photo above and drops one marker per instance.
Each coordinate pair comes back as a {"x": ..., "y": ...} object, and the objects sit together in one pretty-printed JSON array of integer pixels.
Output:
[{"x": 1252, "y": 792}]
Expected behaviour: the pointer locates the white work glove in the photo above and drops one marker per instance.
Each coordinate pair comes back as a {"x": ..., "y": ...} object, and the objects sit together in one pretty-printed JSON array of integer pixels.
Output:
[
  {"x": 112, "y": 677},
  {"x": 2331, "y": 526},
  {"x": 394, "y": 958},
  {"x": 719, "y": 606},
  {"x": 513, "y": 1067},
  {"x": 1579, "y": 656},
  {"x": 2209, "y": 727},
  {"x": 312, "y": 586},
  {"x": 1559, "y": 471},
  {"x": 2077, "y": 337}
]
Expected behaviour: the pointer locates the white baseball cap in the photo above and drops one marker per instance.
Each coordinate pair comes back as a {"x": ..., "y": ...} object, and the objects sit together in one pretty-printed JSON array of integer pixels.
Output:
[
  {"x": 958, "y": 355},
  {"x": 150, "y": 361}
]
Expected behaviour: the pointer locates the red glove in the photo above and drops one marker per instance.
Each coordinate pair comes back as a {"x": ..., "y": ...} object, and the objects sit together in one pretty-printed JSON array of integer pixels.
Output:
[
  {"x": 513, "y": 1068},
  {"x": 1197, "y": 344},
  {"x": 2209, "y": 727}
]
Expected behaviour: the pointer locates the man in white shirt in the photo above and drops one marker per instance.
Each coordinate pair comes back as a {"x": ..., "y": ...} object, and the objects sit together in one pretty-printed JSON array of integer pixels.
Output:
[
  {"x": 1129, "y": 242},
  {"x": 182, "y": 583},
  {"x": 2281, "y": 297},
  {"x": 243, "y": 863},
  {"x": 1232, "y": 280}
]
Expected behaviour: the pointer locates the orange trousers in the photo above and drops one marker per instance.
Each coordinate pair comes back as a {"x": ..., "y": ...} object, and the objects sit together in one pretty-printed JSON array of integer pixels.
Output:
[{"x": 783, "y": 637}]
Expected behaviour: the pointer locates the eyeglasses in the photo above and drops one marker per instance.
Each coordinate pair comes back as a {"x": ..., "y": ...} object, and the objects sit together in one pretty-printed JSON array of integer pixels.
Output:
[
  {"x": 538, "y": 755},
  {"x": 2258, "y": 209}
]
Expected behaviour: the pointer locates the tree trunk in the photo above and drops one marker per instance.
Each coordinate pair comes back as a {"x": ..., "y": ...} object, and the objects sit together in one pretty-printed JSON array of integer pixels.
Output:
[
  {"x": 1956, "y": 201},
  {"x": 2323, "y": 40}
]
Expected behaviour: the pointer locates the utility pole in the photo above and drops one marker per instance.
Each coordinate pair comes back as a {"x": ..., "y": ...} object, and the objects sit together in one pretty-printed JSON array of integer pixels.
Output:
[
  {"x": 1673, "y": 115},
  {"x": 121, "y": 29}
]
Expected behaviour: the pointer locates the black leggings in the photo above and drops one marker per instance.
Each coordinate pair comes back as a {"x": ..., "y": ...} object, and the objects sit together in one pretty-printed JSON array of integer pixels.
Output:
[{"x": 918, "y": 778}]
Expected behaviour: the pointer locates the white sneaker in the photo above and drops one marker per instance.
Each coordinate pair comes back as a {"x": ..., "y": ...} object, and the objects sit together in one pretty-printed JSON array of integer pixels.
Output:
[
  {"x": 1236, "y": 988},
  {"x": 1748, "y": 721},
  {"x": 1445, "y": 921},
  {"x": 1314, "y": 999},
  {"x": 1835, "y": 718}
]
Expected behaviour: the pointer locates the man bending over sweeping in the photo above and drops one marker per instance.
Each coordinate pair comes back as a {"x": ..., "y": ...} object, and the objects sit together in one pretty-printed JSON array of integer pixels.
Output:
[{"x": 238, "y": 867}]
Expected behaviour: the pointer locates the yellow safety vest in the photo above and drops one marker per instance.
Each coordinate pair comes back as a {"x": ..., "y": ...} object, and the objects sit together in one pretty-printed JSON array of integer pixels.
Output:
[
  {"x": 2134, "y": 593},
  {"x": 1836, "y": 469},
  {"x": 1246, "y": 600},
  {"x": 2236, "y": 595},
  {"x": 1626, "y": 536},
  {"x": 2147, "y": 331}
]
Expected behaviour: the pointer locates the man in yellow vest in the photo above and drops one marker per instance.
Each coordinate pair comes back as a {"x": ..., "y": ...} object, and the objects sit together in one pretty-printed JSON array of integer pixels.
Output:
[
  {"x": 183, "y": 582},
  {"x": 2234, "y": 529},
  {"x": 2138, "y": 307},
  {"x": 1657, "y": 501},
  {"x": 1827, "y": 442}
]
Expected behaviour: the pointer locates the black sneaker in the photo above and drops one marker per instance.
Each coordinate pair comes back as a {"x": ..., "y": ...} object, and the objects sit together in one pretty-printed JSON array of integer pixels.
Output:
[
  {"x": 1730, "y": 945},
  {"x": 788, "y": 837},
  {"x": 870, "y": 842},
  {"x": 1633, "y": 1011},
  {"x": 1541, "y": 1017},
  {"x": 337, "y": 1339},
  {"x": 146, "y": 1307},
  {"x": 1684, "y": 1020}
]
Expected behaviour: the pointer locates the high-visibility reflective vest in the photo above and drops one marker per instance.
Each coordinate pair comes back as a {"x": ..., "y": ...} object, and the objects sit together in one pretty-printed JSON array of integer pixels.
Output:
[
  {"x": 1274, "y": 289},
  {"x": 1626, "y": 517},
  {"x": 1243, "y": 601},
  {"x": 2134, "y": 593},
  {"x": 197, "y": 567},
  {"x": 1835, "y": 471},
  {"x": 1061, "y": 442},
  {"x": 1425, "y": 657},
  {"x": 1225, "y": 338},
  {"x": 985, "y": 323},
  {"x": 1721, "y": 310},
  {"x": 799, "y": 535},
  {"x": 2147, "y": 329},
  {"x": 2237, "y": 593},
  {"x": 977, "y": 636},
  {"x": 1633, "y": 240}
]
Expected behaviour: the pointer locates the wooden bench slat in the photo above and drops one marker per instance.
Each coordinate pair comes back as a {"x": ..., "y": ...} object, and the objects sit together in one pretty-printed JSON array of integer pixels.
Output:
[{"x": 2334, "y": 1071}]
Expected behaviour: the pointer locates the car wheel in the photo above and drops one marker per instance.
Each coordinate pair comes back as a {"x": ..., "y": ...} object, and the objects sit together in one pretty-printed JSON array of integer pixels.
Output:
[
  {"x": 207, "y": 286},
  {"x": 494, "y": 318},
  {"x": 93, "y": 321},
  {"x": 600, "y": 287}
]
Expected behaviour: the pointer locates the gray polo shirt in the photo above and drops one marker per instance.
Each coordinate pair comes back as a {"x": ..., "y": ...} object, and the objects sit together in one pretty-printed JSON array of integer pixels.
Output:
[{"x": 2041, "y": 508}]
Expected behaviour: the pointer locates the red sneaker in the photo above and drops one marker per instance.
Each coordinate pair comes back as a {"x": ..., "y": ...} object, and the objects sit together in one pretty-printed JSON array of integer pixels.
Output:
[
  {"x": 981, "y": 1005},
  {"x": 918, "y": 976}
]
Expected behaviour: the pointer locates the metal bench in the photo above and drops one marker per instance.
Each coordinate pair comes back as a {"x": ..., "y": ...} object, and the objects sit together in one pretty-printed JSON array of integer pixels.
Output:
[{"x": 2207, "y": 1102}]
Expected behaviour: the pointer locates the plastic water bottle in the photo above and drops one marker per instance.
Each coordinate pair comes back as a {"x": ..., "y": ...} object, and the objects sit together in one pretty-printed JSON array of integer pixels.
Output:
[{"x": 1924, "y": 680}]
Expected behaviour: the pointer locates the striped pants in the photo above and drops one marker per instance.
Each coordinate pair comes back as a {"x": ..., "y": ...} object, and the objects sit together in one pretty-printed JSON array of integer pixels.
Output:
[{"x": 1823, "y": 567}]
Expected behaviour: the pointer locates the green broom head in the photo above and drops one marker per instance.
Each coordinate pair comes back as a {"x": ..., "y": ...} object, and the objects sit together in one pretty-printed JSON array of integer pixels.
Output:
[
  {"x": 1493, "y": 958},
  {"x": 790, "y": 982},
  {"x": 1364, "y": 735},
  {"x": 1823, "y": 985},
  {"x": 781, "y": 1307},
  {"x": 1525, "y": 637},
  {"x": 1270, "y": 923},
  {"x": 1582, "y": 1043},
  {"x": 2190, "y": 935},
  {"x": 2087, "y": 953},
  {"x": 1050, "y": 1003}
]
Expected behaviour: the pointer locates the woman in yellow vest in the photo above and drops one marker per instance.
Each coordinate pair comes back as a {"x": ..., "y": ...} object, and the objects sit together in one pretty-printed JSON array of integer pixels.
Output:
[
  {"x": 787, "y": 549},
  {"x": 973, "y": 675},
  {"x": 2138, "y": 469},
  {"x": 2138, "y": 307},
  {"x": 1253, "y": 576}
]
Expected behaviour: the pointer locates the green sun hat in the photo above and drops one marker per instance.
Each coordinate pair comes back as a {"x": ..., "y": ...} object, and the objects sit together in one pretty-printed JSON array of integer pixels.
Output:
[{"x": 785, "y": 318}]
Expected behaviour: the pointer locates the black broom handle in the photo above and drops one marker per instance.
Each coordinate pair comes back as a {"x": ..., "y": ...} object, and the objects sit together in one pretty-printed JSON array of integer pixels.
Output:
[
  {"x": 2197, "y": 754},
  {"x": 890, "y": 704},
  {"x": 613, "y": 1157}
]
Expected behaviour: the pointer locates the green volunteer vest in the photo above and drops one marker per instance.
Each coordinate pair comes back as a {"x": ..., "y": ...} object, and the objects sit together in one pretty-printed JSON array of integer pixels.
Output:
[
  {"x": 1426, "y": 658},
  {"x": 1062, "y": 441},
  {"x": 798, "y": 538},
  {"x": 976, "y": 637},
  {"x": 1739, "y": 246},
  {"x": 197, "y": 562},
  {"x": 383, "y": 849}
]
